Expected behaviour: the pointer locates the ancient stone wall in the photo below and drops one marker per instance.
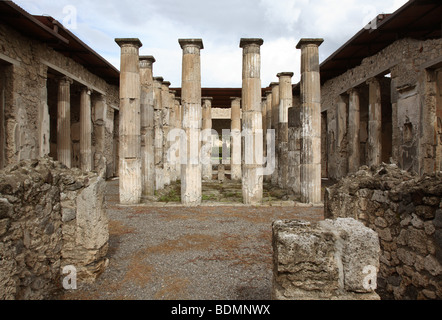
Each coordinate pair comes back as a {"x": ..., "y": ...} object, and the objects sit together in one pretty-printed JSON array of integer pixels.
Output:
[
  {"x": 406, "y": 212},
  {"x": 329, "y": 260},
  {"x": 27, "y": 75},
  {"x": 405, "y": 69},
  {"x": 50, "y": 217}
]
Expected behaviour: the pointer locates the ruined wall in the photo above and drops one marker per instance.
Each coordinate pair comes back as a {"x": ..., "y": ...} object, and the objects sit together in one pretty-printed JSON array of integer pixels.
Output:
[
  {"x": 406, "y": 212},
  {"x": 50, "y": 217},
  {"x": 26, "y": 119},
  {"x": 329, "y": 260},
  {"x": 408, "y": 91}
]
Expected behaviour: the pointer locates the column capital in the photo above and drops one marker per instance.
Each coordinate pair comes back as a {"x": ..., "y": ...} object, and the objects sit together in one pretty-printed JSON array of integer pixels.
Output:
[
  {"x": 353, "y": 90},
  {"x": 372, "y": 80},
  {"x": 158, "y": 79},
  {"x": 285, "y": 74},
  {"x": 207, "y": 98},
  {"x": 191, "y": 42},
  {"x": 235, "y": 99},
  {"x": 274, "y": 84},
  {"x": 65, "y": 80},
  {"x": 166, "y": 83},
  {"x": 87, "y": 90},
  {"x": 309, "y": 41},
  {"x": 132, "y": 42},
  {"x": 268, "y": 92},
  {"x": 147, "y": 61},
  {"x": 250, "y": 41}
]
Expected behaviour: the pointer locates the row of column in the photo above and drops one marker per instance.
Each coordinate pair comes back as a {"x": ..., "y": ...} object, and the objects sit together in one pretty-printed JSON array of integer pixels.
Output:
[
  {"x": 137, "y": 89},
  {"x": 374, "y": 143},
  {"x": 64, "y": 140},
  {"x": 298, "y": 145}
]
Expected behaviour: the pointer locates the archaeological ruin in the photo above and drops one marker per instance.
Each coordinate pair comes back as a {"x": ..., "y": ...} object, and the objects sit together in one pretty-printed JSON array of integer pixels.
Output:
[{"x": 360, "y": 136}]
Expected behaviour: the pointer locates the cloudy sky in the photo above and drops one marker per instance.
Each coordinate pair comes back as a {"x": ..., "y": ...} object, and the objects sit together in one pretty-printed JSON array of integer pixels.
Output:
[{"x": 221, "y": 24}]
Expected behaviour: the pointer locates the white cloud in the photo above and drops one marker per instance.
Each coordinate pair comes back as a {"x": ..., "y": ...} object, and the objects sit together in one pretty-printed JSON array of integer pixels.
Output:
[{"x": 221, "y": 24}]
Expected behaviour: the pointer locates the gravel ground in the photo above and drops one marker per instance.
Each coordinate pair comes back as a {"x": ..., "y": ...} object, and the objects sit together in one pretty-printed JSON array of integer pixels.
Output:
[{"x": 167, "y": 252}]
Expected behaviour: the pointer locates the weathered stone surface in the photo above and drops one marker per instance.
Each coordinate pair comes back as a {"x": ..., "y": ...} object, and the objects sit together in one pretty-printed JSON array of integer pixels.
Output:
[
  {"x": 331, "y": 259},
  {"x": 58, "y": 219},
  {"x": 404, "y": 210}
]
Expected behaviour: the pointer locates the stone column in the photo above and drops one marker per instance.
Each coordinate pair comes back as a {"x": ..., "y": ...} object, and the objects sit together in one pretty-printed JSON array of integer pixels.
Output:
[
  {"x": 252, "y": 182},
  {"x": 235, "y": 145},
  {"x": 178, "y": 126},
  {"x": 275, "y": 124},
  {"x": 147, "y": 125},
  {"x": 374, "y": 122},
  {"x": 311, "y": 121},
  {"x": 206, "y": 155},
  {"x": 191, "y": 184},
  {"x": 354, "y": 128},
  {"x": 341, "y": 137},
  {"x": 269, "y": 95},
  {"x": 158, "y": 128},
  {"x": 294, "y": 149},
  {"x": 130, "y": 123},
  {"x": 264, "y": 125},
  {"x": 64, "y": 154},
  {"x": 165, "y": 98},
  {"x": 102, "y": 144},
  {"x": 85, "y": 130},
  {"x": 44, "y": 123},
  {"x": 171, "y": 151},
  {"x": 286, "y": 102}
]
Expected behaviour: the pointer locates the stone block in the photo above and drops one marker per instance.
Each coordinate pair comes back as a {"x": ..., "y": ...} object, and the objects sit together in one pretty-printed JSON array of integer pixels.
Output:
[{"x": 332, "y": 259}]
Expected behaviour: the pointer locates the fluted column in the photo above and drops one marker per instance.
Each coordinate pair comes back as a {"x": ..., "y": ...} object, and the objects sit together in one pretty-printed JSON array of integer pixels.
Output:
[
  {"x": 235, "y": 145},
  {"x": 207, "y": 139},
  {"x": 85, "y": 130},
  {"x": 165, "y": 98},
  {"x": 64, "y": 153},
  {"x": 311, "y": 121},
  {"x": 178, "y": 126},
  {"x": 354, "y": 128},
  {"x": 171, "y": 152},
  {"x": 130, "y": 123},
  {"x": 264, "y": 125},
  {"x": 158, "y": 129},
  {"x": 374, "y": 122},
  {"x": 147, "y": 125},
  {"x": 275, "y": 126},
  {"x": 252, "y": 182},
  {"x": 268, "y": 120},
  {"x": 286, "y": 102},
  {"x": 191, "y": 182}
]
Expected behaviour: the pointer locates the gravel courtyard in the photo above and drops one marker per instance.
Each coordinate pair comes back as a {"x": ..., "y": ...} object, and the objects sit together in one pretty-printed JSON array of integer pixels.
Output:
[{"x": 167, "y": 252}]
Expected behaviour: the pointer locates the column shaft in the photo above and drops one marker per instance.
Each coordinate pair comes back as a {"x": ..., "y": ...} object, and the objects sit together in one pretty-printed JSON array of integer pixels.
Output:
[
  {"x": 130, "y": 122},
  {"x": 85, "y": 131},
  {"x": 311, "y": 121},
  {"x": 207, "y": 139},
  {"x": 147, "y": 125},
  {"x": 252, "y": 182},
  {"x": 191, "y": 183},
  {"x": 286, "y": 102},
  {"x": 64, "y": 122},
  {"x": 354, "y": 131},
  {"x": 374, "y": 123},
  {"x": 235, "y": 146},
  {"x": 158, "y": 130},
  {"x": 275, "y": 126},
  {"x": 165, "y": 98}
]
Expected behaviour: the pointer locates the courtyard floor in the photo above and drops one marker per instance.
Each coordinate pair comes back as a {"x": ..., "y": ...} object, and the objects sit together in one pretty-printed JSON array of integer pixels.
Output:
[{"x": 219, "y": 251}]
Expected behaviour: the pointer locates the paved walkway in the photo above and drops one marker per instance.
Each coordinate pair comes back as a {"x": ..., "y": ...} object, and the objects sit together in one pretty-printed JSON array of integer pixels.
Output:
[{"x": 167, "y": 252}]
